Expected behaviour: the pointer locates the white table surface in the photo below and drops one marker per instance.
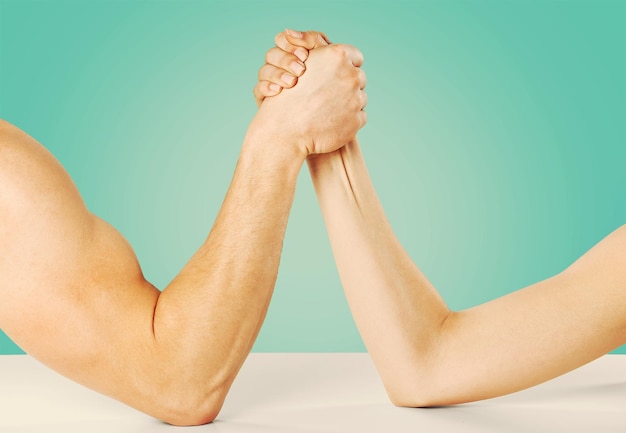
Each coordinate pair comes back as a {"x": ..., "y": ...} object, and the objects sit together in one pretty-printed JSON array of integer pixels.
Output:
[{"x": 302, "y": 393}]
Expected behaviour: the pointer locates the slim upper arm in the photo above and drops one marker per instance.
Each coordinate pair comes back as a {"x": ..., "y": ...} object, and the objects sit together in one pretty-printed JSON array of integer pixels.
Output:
[
  {"x": 601, "y": 272},
  {"x": 604, "y": 265},
  {"x": 536, "y": 333}
]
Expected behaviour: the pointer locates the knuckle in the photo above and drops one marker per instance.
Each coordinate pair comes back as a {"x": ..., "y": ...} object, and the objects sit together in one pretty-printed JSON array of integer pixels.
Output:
[
  {"x": 266, "y": 90},
  {"x": 341, "y": 49},
  {"x": 293, "y": 83},
  {"x": 282, "y": 59},
  {"x": 357, "y": 103},
  {"x": 261, "y": 72},
  {"x": 336, "y": 49},
  {"x": 278, "y": 38},
  {"x": 271, "y": 55},
  {"x": 262, "y": 88},
  {"x": 353, "y": 77},
  {"x": 265, "y": 72}
]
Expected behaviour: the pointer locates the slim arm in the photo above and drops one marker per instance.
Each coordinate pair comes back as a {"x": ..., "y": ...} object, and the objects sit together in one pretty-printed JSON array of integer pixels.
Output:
[{"x": 428, "y": 355}]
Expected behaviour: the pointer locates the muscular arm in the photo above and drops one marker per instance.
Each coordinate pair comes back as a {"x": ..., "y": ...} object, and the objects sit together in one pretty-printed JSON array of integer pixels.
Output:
[
  {"x": 428, "y": 355},
  {"x": 72, "y": 293}
]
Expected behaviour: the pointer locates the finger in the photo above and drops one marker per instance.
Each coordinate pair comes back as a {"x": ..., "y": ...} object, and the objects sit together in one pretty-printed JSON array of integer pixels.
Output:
[
  {"x": 309, "y": 39},
  {"x": 362, "y": 78},
  {"x": 353, "y": 53},
  {"x": 362, "y": 118},
  {"x": 276, "y": 75},
  {"x": 363, "y": 99},
  {"x": 288, "y": 62},
  {"x": 265, "y": 89},
  {"x": 299, "y": 43},
  {"x": 280, "y": 40}
]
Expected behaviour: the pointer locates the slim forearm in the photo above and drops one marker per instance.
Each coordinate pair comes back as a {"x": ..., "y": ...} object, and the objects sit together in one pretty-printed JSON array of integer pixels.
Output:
[
  {"x": 384, "y": 288},
  {"x": 537, "y": 333},
  {"x": 428, "y": 355}
]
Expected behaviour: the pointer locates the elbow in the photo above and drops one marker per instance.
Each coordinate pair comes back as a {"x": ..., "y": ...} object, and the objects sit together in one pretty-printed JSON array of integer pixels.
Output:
[
  {"x": 414, "y": 385},
  {"x": 188, "y": 417},
  {"x": 422, "y": 384},
  {"x": 185, "y": 414},
  {"x": 433, "y": 375},
  {"x": 430, "y": 390},
  {"x": 426, "y": 379},
  {"x": 413, "y": 396},
  {"x": 416, "y": 400},
  {"x": 191, "y": 407}
]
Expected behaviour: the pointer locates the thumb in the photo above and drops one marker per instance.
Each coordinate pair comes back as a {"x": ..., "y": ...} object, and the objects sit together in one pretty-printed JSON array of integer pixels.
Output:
[
  {"x": 309, "y": 39},
  {"x": 299, "y": 43}
]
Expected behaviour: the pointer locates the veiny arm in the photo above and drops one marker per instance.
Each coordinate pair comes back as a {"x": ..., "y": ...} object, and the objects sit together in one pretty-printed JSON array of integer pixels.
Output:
[{"x": 73, "y": 295}]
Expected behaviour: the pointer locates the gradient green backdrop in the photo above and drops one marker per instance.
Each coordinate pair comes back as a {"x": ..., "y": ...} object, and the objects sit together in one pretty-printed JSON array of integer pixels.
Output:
[{"x": 496, "y": 134}]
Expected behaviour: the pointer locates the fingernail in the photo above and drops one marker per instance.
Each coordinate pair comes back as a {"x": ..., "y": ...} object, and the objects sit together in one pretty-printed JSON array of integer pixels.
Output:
[
  {"x": 274, "y": 87},
  {"x": 287, "y": 79},
  {"x": 301, "y": 54},
  {"x": 294, "y": 33},
  {"x": 297, "y": 68}
]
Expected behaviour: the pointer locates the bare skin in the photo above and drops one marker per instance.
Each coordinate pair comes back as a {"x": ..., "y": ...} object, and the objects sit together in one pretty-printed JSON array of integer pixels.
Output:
[
  {"x": 426, "y": 354},
  {"x": 72, "y": 293}
]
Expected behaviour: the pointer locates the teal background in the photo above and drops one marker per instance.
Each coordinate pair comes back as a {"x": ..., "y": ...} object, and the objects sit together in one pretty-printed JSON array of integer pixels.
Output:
[{"x": 496, "y": 135}]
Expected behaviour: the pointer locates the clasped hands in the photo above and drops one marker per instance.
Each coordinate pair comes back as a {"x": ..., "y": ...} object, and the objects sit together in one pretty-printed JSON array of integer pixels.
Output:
[
  {"x": 318, "y": 111},
  {"x": 85, "y": 309}
]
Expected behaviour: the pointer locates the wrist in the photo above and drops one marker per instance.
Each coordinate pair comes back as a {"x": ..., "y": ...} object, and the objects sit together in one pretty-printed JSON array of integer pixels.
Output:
[
  {"x": 337, "y": 159},
  {"x": 266, "y": 130},
  {"x": 272, "y": 146}
]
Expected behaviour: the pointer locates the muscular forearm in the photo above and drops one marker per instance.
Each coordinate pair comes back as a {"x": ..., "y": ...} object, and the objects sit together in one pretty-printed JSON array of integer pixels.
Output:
[
  {"x": 428, "y": 355},
  {"x": 73, "y": 295},
  {"x": 219, "y": 300},
  {"x": 207, "y": 319}
]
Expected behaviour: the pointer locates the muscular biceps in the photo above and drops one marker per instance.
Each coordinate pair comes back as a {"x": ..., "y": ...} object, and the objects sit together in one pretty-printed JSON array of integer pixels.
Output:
[
  {"x": 46, "y": 228},
  {"x": 63, "y": 271},
  {"x": 72, "y": 293}
]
